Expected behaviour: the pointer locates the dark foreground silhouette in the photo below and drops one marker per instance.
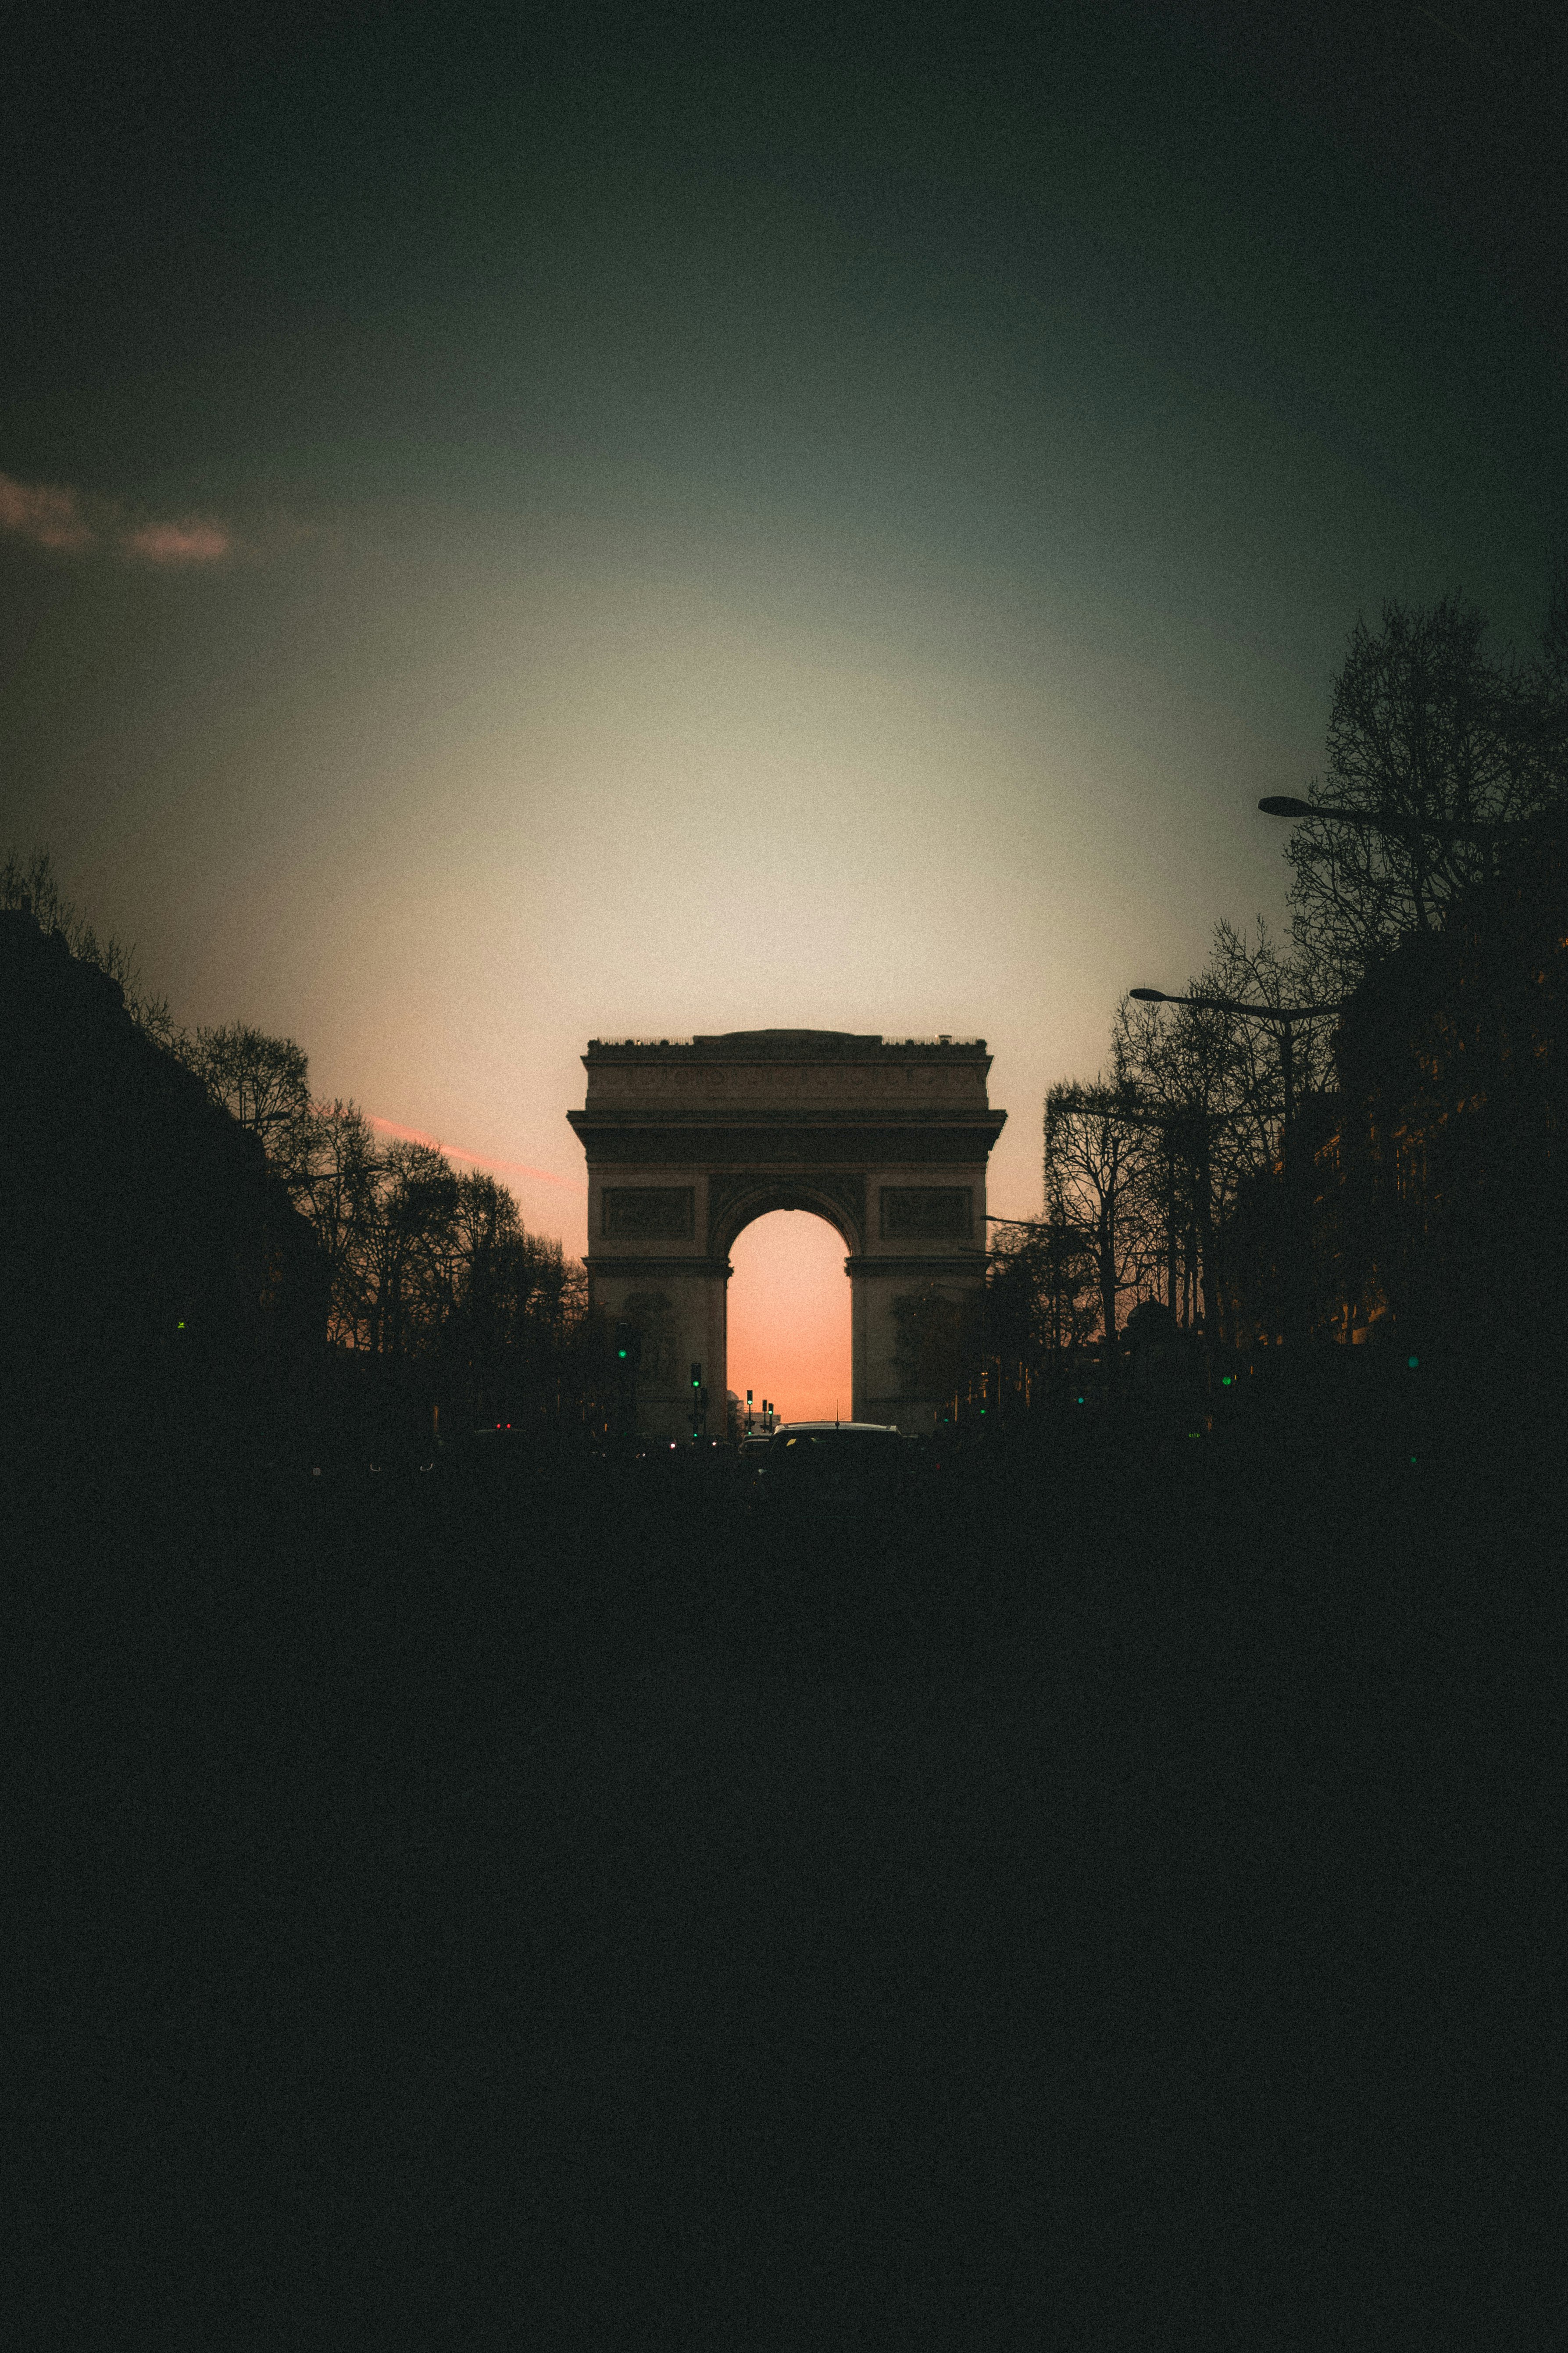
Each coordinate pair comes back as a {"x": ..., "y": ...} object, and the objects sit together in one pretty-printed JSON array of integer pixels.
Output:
[{"x": 1094, "y": 1905}]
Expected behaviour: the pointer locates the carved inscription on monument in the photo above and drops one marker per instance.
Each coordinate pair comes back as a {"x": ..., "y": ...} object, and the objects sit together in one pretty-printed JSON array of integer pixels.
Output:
[
  {"x": 649, "y": 1213},
  {"x": 926, "y": 1213}
]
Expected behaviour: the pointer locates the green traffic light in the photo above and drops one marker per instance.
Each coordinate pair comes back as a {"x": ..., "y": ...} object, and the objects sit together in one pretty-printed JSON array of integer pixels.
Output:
[{"x": 1412, "y": 1362}]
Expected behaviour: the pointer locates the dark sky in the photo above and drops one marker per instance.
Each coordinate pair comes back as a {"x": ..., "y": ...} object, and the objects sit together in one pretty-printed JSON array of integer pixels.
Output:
[{"x": 526, "y": 524}]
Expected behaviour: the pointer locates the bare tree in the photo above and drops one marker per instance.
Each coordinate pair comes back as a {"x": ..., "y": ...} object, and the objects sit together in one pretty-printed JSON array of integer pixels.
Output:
[
  {"x": 1041, "y": 1284},
  {"x": 1095, "y": 1150},
  {"x": 1209, "y": 1086},
  {"x": 1426, "y": 731},
  {"x": 264, "y": 1085},
  {"x": 28, "y": 880},
  {"x": 427, "y": 1267},
  {"x": 345, "y": 1169},
  {"x": 410, "y": 1249},
  {"x": 1210, "y": 1083}
]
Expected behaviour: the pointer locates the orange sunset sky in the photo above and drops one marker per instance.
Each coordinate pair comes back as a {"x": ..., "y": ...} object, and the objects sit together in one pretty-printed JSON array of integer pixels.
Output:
[{"x": 599, "y": 528}]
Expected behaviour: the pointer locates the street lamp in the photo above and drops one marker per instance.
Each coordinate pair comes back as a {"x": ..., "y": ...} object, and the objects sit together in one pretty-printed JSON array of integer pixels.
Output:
[
  {"x": 1281, "y": 1016},
  {"x": 1484, "y": 832}
]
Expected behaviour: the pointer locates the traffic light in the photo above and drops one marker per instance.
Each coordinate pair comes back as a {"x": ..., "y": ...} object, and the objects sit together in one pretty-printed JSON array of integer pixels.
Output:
[
  {"x": 628, "y": 1345},
  {"x": 696, "y": 1375}
]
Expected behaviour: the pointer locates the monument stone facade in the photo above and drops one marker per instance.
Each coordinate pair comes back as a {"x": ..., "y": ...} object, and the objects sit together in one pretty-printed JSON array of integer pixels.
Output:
[{"x": 688, "y": 1141}]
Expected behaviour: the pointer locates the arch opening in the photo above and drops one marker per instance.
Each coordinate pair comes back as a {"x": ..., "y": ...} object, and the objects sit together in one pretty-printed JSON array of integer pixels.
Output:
[
  {"x": 790, "y": 1315},
  {"x": 733, "y": 1211}
]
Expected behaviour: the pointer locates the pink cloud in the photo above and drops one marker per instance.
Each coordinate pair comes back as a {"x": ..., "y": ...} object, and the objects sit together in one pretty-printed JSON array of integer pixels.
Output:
[
  {"x": 47, "y": 514},
  {"x": 479, "y": 1159},
  {"x": 195, "y": 540},
  {"x": 69, "y": 521}
]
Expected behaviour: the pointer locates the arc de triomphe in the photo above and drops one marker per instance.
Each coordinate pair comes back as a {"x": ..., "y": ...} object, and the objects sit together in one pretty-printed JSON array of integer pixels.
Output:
[{"x": 688, "y": 1143}]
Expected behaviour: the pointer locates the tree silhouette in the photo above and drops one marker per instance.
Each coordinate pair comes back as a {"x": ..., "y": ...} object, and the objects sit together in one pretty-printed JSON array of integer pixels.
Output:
[
  {"x": 264, "y": 1084},
  {"x": 28, "y": 880},
  {"x": 1094, "y": 1154},
  {"x": 1430, "y": 735}
]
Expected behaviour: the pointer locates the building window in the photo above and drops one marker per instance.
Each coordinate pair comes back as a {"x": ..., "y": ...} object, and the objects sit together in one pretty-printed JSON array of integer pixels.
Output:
[
  {"x": 649, "y": 1213},
  {"x": 927, "y": 1213},
  {"x": 1410, "y": 1166}
]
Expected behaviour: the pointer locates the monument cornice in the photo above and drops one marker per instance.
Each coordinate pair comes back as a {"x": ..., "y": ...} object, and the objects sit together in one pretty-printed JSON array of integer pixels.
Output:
[
  {"x": 642, "y": 1267},
  {"x": 787, "y": 1137},
  {"x": 802, "y": 1049},
  {"x": 797, "y": 1151},
  {"x": 935, "y": 1261},
  {"x": 825, "y": 1115}
]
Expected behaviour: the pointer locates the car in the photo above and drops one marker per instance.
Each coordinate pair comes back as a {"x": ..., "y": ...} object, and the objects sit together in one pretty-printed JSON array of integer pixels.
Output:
[
  {"x": 502, "y": 1455},
  {"x": 833, "y": 1463}
]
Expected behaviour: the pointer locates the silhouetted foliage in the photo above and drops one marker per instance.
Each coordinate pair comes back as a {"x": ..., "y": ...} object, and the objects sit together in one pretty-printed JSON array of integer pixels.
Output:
[
  {"x": 428, "y": 1275},
  {"x": 1425, "y": 730},
  {"x": 1209, "y": 1089},
  {"x": 158, "y": 1289},
  {"x": 1151, "y": 1325},
  {"x": 28, "y": 880},
  {"x": 431, "y": 1272},
  {"x": 1440, "y": 1189},
  {"x": 1039, "y": 1307},
  {"x": 263, "y": 1083},
  {"x": 1094, "y": 1153}
]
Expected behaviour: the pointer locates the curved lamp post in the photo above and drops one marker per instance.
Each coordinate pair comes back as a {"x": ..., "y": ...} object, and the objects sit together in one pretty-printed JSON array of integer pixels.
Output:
[
  {"x": 1484, "y": 832},
  {"x": 1280, "y": 1017}
]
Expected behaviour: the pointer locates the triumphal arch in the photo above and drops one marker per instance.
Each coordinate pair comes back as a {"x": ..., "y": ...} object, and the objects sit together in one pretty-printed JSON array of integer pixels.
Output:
[{"x": 688, "y": 1141}]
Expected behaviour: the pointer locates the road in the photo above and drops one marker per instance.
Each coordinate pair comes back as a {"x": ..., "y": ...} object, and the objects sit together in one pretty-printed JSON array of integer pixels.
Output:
[{"x": 1095, "y": 1919}]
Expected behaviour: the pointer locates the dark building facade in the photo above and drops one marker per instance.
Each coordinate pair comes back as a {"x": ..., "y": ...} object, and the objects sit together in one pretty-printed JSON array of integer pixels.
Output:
[
  {"x": 155, "y": 1278},
  {"x": 1433, "y": 1184}
]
